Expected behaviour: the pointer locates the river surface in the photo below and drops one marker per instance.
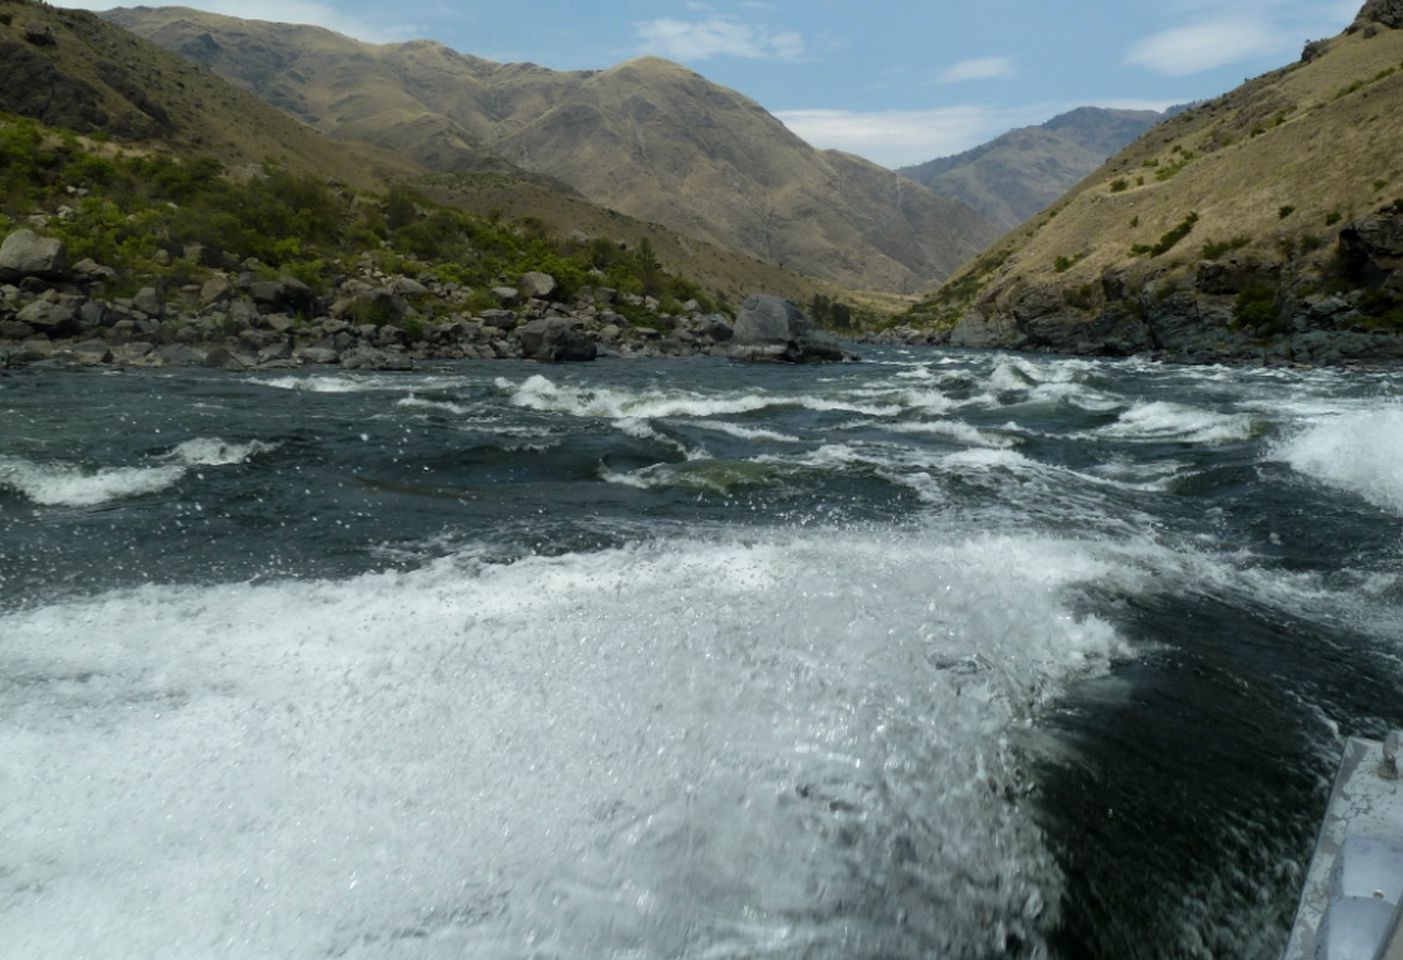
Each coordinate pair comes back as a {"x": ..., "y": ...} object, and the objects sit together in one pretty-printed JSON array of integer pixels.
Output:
[{"x": 942, "y": 654}]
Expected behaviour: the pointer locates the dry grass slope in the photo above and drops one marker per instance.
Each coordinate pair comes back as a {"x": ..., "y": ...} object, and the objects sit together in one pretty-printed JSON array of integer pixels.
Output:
[{"x": 1272, "y": 170}]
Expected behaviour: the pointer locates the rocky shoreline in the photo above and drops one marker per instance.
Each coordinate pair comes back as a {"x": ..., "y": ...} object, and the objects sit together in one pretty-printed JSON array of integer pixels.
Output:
[
  {"x": 54, "y": 314},
  {"x": 1246, "y": 309}
]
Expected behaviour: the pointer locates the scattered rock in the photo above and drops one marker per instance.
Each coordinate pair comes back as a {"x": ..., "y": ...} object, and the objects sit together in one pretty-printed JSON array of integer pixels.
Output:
[{"x": 507, "y": 296}]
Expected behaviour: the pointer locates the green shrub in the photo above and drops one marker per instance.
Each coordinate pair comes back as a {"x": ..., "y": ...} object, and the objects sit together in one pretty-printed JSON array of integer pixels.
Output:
[
  {"x": 1334, "y": 218},
  {"x": 1168, "y": 240},
  {"x": 1082, "y": 297},
  {"x": 1119, "y": 185},
  {"x": 1214, "y": 249},
  {"x": 1283, "y": 212},
  {"x": 1256, "y": 309}
]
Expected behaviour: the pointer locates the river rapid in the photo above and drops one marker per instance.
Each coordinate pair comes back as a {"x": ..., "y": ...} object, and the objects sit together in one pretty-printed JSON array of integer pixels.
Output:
[{"x": 942, "y": 654}]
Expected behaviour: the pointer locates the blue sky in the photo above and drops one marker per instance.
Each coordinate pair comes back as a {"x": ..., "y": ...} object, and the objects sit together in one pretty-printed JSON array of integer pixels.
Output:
[{"x": 897, "y": 82}]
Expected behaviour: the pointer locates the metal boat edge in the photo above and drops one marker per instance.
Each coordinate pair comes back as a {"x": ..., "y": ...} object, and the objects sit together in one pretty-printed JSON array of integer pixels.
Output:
[{"x": 1352, "y": 902}]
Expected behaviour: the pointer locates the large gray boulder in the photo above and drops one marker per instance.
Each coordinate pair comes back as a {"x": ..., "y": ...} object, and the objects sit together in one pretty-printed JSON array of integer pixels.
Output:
[
  {"x": 555, "y": 340},
  {"x": 26, "y": 254},
  {"x": 774, "y": 330}
]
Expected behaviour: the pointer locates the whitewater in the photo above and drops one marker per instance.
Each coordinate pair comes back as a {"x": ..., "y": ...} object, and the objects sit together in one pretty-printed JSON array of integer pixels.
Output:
[{"x": 945, "y": 653}]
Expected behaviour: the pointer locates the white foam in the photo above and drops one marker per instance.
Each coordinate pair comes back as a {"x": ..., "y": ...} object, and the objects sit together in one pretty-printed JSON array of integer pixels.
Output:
[
  {"x": 1358, "y": 452},
  {"x": 321, "y": 383},
  {"x": 214, "y": 452},
  {"x": 605, "y": 754},
  {"x": 419, "y": 403},
  {"x": 953, "y": 429},
  {"x": 741, "y": 432},
  {"x": 540, "y": 393},
  {"x": 1161, "y": 420},
  {"x": 61, "y": 485},
  {"x": 70, "y": 485}
]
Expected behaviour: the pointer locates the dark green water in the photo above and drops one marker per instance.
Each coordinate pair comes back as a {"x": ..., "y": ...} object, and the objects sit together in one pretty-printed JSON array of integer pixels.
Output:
[{"x": 937, "y": 655}]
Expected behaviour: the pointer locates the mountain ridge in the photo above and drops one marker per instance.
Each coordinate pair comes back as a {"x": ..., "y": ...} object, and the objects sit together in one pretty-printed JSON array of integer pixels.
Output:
[
  {"x": 1021, "y": 172},
  {"x": 649, "y": 138}
]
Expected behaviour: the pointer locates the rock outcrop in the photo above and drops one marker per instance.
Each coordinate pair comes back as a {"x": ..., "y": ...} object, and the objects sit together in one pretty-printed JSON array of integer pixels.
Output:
[
  {"x": 1389, "y": 13},
  {"x": 771, "y": 329}
]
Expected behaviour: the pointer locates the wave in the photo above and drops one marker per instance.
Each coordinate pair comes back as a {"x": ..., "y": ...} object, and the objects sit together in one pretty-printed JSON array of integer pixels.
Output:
[
  {"x": 70, "y": 485},
  {"x": 540, "y": 393},
  {"x": 1160, "y": 421},
  {"x": 1361, "y": 453}
]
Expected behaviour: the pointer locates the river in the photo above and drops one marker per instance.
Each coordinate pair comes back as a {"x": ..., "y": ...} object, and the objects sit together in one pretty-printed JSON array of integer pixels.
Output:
[{"x": 942, "y": 654}]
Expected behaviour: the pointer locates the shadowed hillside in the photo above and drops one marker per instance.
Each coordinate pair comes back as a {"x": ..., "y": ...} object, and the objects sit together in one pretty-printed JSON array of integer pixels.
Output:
[{"x": 70, "y": 68}]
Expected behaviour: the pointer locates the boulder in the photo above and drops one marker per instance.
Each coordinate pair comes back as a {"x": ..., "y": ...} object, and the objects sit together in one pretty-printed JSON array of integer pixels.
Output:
[
  {"x": 215, "y": 290},
  {"x": 369, "y": 358},
  {"x": 507, "y": 296},
  {"x": 88, "y": 270},
  {"x": 14, "y": 330},
  {"x": 536, "y": 285},
  {"x": 408, "y": 287},
  {"x": 554, "y": 340},
  {"x": 57, "y": 318},
  {"x": 772, "y": 329},
  {"x": 26, "y": 254},
  {"x": 148, "y": 301},
  {"x": 92, "y": 353}
]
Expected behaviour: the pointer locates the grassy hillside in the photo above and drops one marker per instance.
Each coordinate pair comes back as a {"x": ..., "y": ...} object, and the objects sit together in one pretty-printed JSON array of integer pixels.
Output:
[
  {"x": 1020, "y": 173},
  {"x": 72, "y": 69},
  {"x": 647, "y": 138},
  {"x": 1240, "y": 200}
]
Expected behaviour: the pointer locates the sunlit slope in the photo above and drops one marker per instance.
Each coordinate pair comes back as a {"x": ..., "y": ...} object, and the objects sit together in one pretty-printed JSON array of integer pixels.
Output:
[
  {"x": 648, "y": 138},
  {"x": 1248, "y": 192}
]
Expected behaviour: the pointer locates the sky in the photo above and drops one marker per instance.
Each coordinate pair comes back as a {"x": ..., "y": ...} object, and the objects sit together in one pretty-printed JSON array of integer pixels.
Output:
[{"x": 896, "y": 81}]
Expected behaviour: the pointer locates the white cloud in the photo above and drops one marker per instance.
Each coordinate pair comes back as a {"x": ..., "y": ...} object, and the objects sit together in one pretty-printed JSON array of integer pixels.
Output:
[
  {"x": 897, "y": 138},
  {"x": 980, "y": 68},
  {"x": 1208, "y": 44},
  {"x": 716, "y": 37},
  {"x": 285, "y": 11}
]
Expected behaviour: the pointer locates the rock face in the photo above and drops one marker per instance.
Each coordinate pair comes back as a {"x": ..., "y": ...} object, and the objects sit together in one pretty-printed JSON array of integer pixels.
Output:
[
  {"x": 1371, "y": 249},
  {"x": 772, "y": 329},
  {"x": 554, "y": 340},
  {"x": 26, "y": 254},
  {"x": 1386, "y": 12}
]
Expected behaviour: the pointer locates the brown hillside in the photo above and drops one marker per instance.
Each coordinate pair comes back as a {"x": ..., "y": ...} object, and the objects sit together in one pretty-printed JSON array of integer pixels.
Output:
[
  {"x": 72, "y": 69},
  {"x": 648, "y": 138}
]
